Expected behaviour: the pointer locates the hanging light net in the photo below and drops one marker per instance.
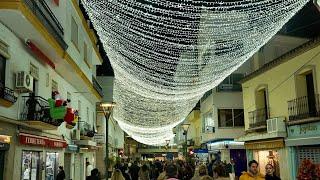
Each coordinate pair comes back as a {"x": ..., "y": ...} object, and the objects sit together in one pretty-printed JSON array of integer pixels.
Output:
[{"x": 167, "y": 54}]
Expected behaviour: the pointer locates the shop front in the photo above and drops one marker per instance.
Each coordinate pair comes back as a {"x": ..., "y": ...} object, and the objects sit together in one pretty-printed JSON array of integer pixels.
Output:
[
  {"x": 4, "y": 147},
  {"x": 266, "y": 152},
  {"x": 227, "y": 150},
  {"x": 85, "y": 160},
  {"x": 304, "y": 144},
  {"x": 39, "y": 156}
]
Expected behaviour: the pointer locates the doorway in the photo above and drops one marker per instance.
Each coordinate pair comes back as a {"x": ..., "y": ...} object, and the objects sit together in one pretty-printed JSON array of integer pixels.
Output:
[
  {"x": 311, "y": 95},
  {"x": 67, "y": 165}
]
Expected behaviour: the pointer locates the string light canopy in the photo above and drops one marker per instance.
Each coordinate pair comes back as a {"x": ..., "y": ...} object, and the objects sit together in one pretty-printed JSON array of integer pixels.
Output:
[{"x": 167, "y": 53}]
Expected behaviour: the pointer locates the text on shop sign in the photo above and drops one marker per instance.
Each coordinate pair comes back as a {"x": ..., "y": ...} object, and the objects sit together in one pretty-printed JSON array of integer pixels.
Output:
[{"x": 27, "y": 139}]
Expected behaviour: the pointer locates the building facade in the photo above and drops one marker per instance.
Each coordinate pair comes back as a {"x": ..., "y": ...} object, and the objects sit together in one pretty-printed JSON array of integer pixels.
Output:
[
  {"x": 281, "y": 107},
  {"x": 48, "y": 55}
]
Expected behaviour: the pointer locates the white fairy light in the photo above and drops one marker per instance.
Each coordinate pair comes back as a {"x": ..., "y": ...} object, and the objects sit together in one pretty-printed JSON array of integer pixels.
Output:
[{"x": 167, "y": 54}]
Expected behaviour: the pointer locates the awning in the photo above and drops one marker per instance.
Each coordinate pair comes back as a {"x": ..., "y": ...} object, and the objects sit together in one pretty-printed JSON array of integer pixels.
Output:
[
  {"x": 303, "y": 141},
  {"x": 270, "y": 144}
]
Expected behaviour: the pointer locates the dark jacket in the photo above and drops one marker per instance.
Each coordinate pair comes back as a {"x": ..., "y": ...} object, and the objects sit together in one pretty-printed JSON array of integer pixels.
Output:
[
  {"x": 134, "y": 171},
  {"x": 61, "y": 175},
  {"x": 274, "y": 177}
]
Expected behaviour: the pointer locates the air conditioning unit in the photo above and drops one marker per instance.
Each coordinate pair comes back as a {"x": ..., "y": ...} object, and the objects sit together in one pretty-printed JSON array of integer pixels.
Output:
[
  {"x": 276, "y": 125},
  {"x": 24, "y": 81},
  {"x": 75, "y": 134}
]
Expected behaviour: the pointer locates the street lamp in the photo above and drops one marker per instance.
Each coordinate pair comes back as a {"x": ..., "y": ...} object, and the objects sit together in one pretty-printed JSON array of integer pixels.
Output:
[
  {"x": 107, "y": 110},
  {"x": 185, "y": 128}
]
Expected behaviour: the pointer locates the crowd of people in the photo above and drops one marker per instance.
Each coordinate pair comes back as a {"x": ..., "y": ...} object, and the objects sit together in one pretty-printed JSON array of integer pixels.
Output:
[{"x": 182, "y": 170}]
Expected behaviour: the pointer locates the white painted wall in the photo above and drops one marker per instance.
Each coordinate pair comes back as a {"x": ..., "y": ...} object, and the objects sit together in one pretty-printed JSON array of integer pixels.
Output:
[
  {"x": 64, "y": 12},
  {"x": 20, "y": 61}
]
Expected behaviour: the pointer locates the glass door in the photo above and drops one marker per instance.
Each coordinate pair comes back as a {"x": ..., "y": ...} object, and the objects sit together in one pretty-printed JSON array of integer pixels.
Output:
[
  {"x": 30, "y": 165},
  {"x": 52, "y": 160}
]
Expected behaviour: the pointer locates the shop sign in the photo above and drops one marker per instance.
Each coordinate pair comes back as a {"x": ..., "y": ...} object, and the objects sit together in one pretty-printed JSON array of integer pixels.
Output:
[
  {"x": 265, "y": 144},
  {"x": 28, "y": 139},
  {"x": 304, "y": 130},
  {"x": 4, "y": 146},
  {"x": 72, "y": 148}
]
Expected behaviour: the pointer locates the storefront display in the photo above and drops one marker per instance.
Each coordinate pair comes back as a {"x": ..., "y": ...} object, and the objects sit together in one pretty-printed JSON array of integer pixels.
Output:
[
  {"x": 268, "y": 152},
  {"x": 305, "y": 142},
  {"x": 267, "y": 157},
  {"x": 52, "y": 160},
  {"x": 31, "y": 167}
]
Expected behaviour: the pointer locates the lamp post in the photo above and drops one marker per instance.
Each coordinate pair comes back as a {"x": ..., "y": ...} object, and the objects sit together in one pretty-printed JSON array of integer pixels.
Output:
[
  {"x": 185, "y": 128},
  {"x": 167, "y": 146},
  {"x": 107, "y": 110}
]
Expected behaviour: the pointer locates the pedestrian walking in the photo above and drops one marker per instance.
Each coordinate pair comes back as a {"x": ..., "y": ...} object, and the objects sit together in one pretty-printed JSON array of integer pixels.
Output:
[
  {"x": 117, "y": 175},
  {"x": 61, "y": 174},
  {"x": 253, "y": 173}
]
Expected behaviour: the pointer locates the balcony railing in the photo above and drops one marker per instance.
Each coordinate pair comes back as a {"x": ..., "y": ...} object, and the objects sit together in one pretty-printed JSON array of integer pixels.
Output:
[
  {"x": 85, "y": 129},
  {"x": 47, "y": 18},
  {"x": 36, "y": 108},
  {"x": 7, "y": 94},
  {"x": 304, "y": 107},
  {"x": 258, "y": 118},
  {"x": 97, "y": 86}
]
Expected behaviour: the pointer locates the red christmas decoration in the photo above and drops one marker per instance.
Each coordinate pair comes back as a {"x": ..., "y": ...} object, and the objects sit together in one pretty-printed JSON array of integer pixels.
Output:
[{"x": 308, "y": 170}]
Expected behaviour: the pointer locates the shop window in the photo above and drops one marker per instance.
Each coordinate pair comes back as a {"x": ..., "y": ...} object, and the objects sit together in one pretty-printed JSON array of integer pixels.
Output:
[
  {"x": 31, "y": 168},
  {"x": 74, "y": 32},
  {"x": 52, "y": 164},
  {"x": 230, "y": 117}
]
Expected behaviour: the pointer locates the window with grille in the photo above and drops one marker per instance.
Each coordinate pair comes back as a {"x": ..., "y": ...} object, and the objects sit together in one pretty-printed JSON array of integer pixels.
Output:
[
  {"x": 54, "y": 86},
  {"x": 34, "y": 71},
  {"x": 311, "y": 153}
]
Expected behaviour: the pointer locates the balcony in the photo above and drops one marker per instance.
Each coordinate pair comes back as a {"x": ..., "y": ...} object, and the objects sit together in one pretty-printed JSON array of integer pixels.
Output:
[
  {"x": 37, "y": 113},
  {"x": 258, "y": 119},
  {"x": 304, "y": 109},
  {"x": 7, "y": 97},
  {"x": 86, "y": 131},
  {"x": 42, "y": 11},
  {"x": 97, "y": 86}
]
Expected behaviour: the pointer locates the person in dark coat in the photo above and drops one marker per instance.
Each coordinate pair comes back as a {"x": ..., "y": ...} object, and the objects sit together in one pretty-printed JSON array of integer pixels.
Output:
[
  {"x": 95, "y": 175},
  {"x": 134, "y": 171},
  {"x": 61, "y": 175},
  {"x": 270, "y": 173}
]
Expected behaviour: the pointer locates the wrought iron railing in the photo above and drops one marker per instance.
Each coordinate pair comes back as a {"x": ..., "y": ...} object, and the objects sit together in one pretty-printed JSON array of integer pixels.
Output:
[
  {"x": 85, "y": 129},
  {"x": 36, "y": 108},
  {"x": 258, "y": 117},
  {"x": 48, "y": 19},
  {"x": 97, "y": 86},
  {"x": 304, "y": 107},
  {"x": 7, "y": 94}
]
